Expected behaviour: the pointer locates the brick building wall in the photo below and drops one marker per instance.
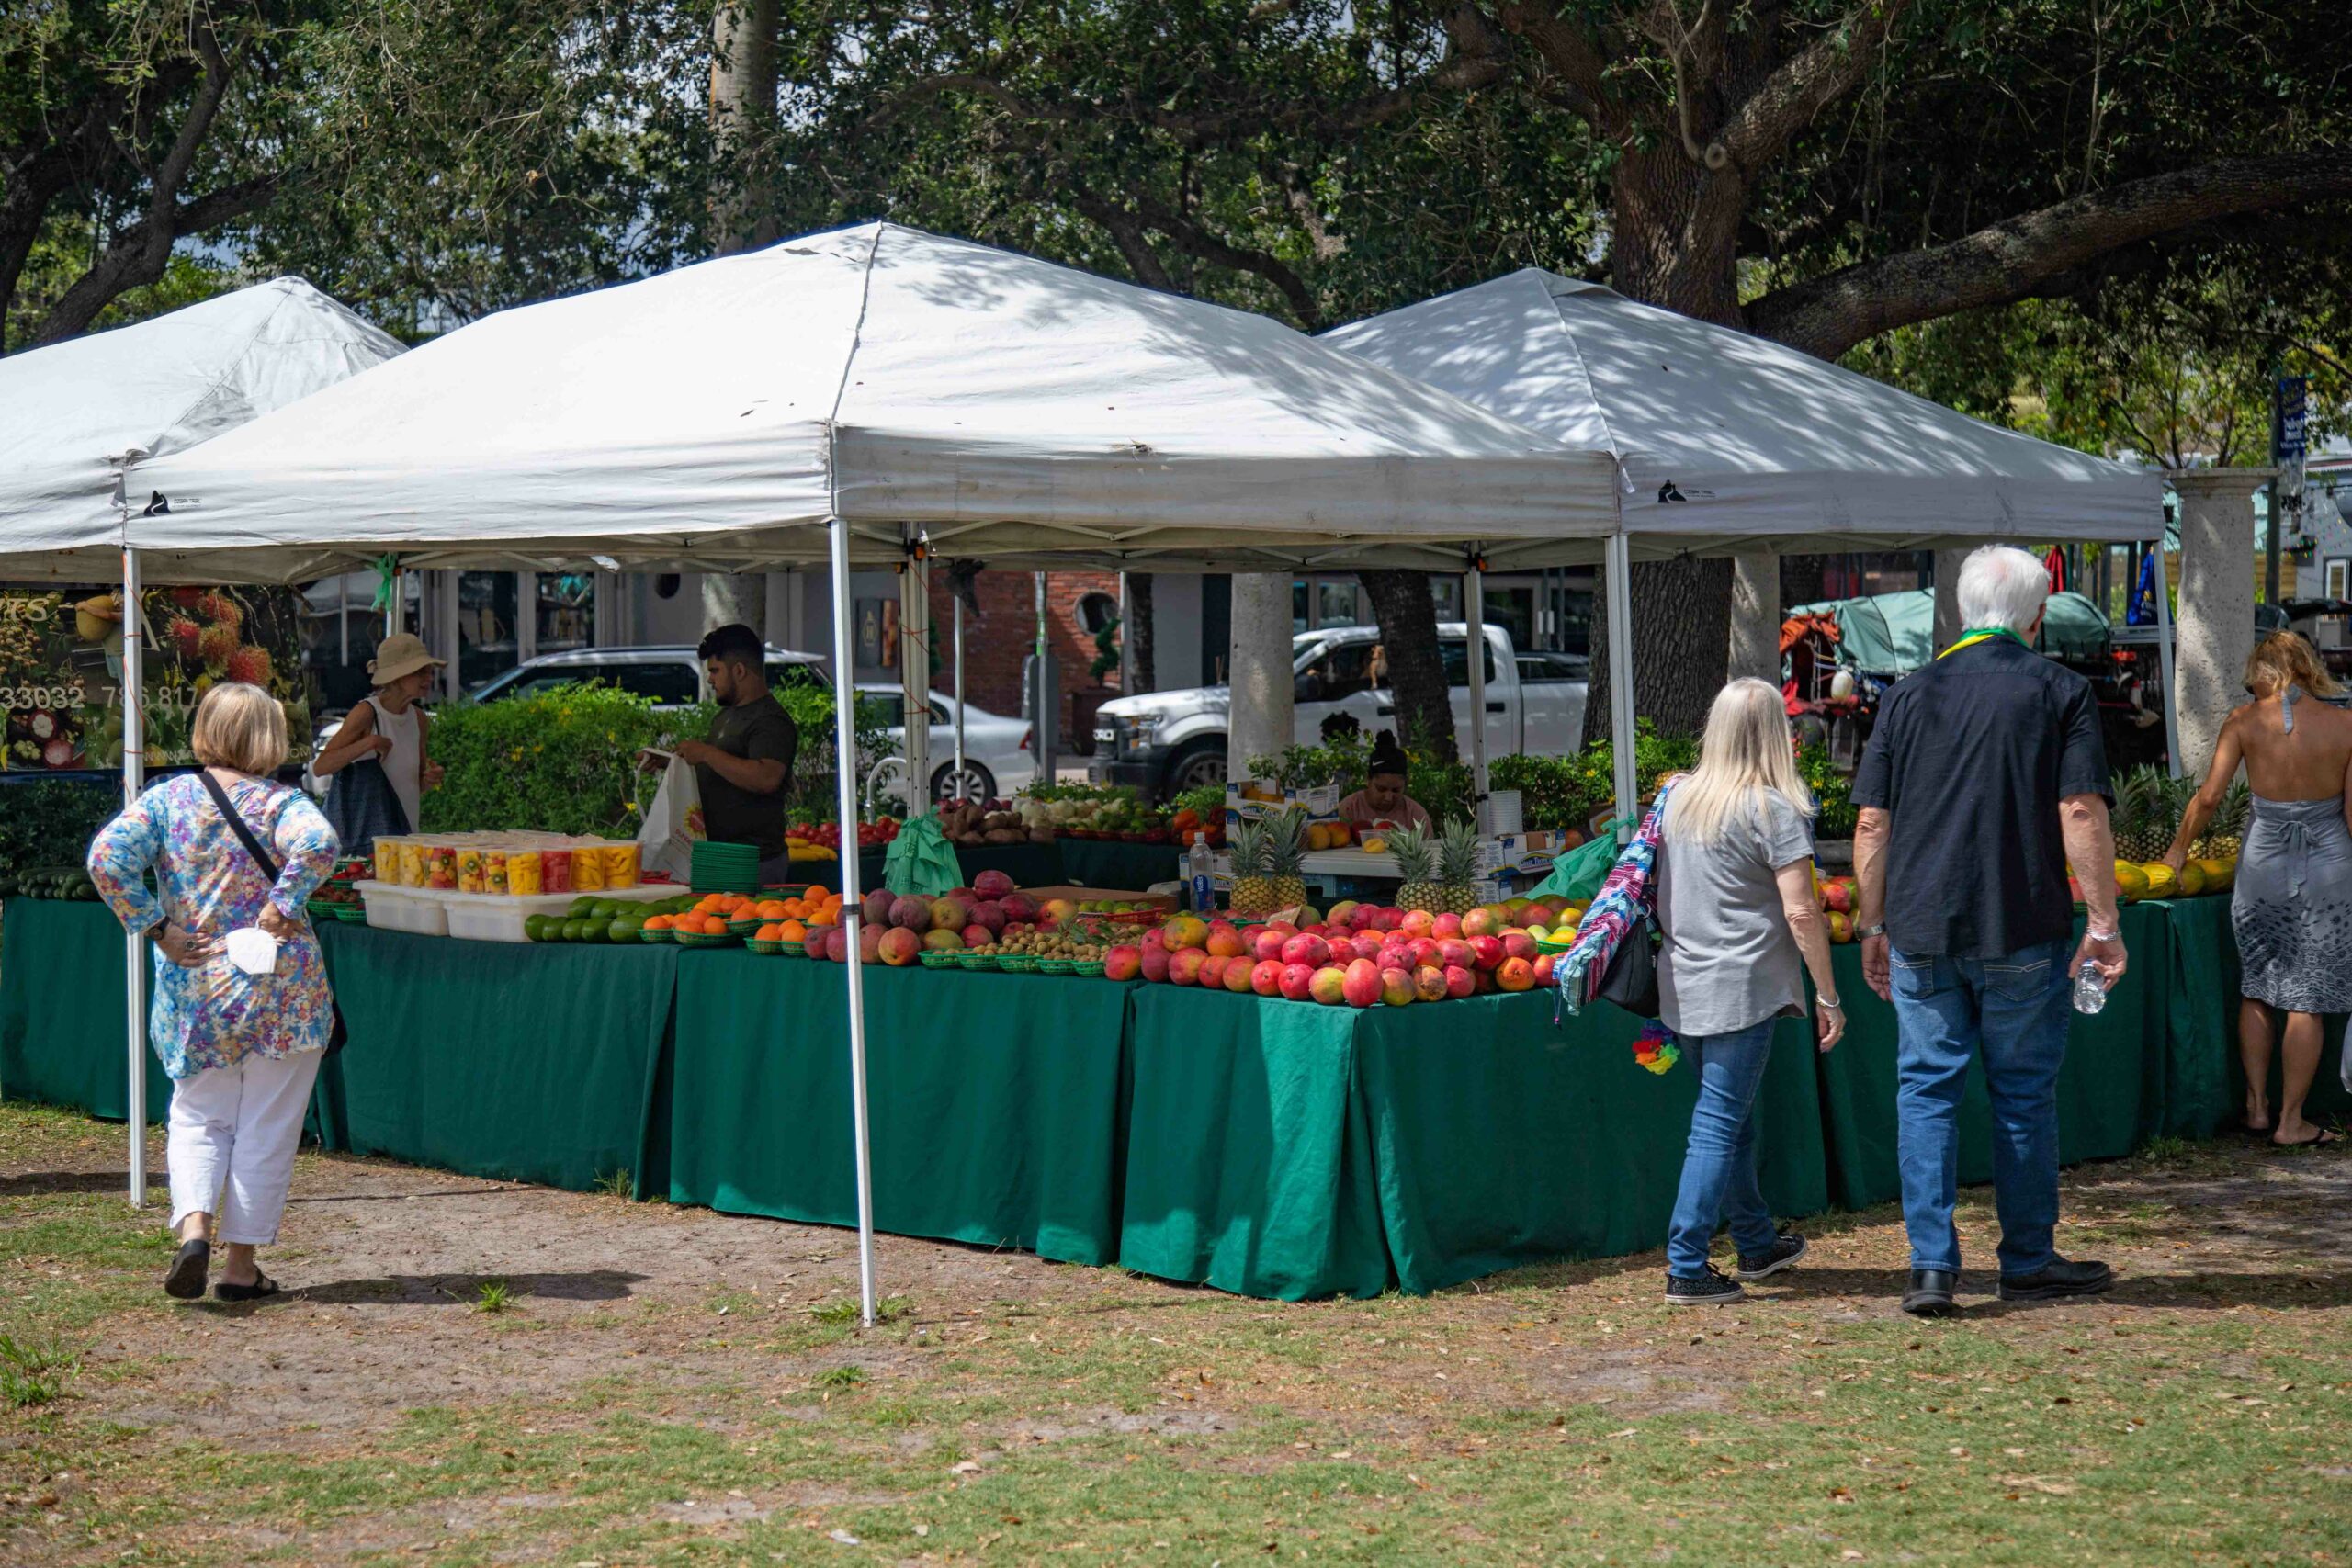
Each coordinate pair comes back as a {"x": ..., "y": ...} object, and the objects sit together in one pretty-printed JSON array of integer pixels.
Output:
[{"x": 1003, "y": 633}]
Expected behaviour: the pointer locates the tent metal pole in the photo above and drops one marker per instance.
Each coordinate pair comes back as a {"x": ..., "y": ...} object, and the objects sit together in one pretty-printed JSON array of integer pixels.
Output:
[
  {"x": 1475, "y": 661},
  {"x": 343, "y": 614},
  {"x": 2165, "y": 661},
  {"x": 1620, "y": 571},
  {"x": 962, "y": 792},
  {"x": 915, "y": 669},
  {"x": 134, "y": 968},
  {"x": 845, "y": 803}
]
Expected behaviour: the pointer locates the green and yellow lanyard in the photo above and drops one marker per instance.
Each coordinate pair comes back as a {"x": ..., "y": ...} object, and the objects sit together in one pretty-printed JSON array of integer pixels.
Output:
[{"x": 1975, "y": 635}]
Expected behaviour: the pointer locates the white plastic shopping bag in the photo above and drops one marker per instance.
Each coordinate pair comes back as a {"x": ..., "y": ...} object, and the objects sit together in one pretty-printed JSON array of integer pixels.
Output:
[{"x": 672, "y": 823}]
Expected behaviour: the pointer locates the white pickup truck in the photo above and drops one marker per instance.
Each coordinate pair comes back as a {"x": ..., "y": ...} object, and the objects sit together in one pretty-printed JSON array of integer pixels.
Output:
[{"x": 1166, "y": 741}]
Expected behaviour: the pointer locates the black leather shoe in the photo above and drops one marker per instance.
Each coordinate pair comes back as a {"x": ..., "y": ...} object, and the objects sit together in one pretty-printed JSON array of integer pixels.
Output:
[
  {"x": 1930, "y": 1293},
  {"x": 2055, "y": 1279}
]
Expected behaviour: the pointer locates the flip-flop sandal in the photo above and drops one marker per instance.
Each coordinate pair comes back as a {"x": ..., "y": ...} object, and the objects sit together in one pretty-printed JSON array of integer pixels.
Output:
[
  {"x": 261, "y": 1289},
  {"x": 2318, "y": 1140},
  {"x": 185, "y": 1280}
]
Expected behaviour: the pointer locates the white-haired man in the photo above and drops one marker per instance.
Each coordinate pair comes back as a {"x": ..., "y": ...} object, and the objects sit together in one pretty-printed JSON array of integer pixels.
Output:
[{"x": 1984, "y": 778}]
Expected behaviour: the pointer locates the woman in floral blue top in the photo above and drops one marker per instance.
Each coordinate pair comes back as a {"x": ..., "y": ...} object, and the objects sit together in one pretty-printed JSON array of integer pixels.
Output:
[{"x": 241, "y": 1049}]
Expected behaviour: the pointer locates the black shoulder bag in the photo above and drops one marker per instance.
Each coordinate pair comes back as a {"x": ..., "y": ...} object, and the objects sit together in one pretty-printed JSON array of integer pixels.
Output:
[
  {"x": 1631, "y": 979},
  {"x": 338, "y": 1035}
]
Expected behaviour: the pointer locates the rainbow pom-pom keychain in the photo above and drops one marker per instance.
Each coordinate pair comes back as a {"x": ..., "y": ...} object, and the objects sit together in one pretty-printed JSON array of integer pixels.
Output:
[{"x": 1656, "y": 1049}]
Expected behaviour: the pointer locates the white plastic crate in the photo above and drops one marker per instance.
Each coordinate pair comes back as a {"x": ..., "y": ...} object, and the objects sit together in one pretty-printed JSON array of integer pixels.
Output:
[{"x": 395, "y": 909}]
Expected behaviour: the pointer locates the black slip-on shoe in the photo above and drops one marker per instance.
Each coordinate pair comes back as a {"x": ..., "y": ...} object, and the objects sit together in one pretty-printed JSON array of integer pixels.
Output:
[
  {"x": 2055, "y": 1279},
  {"x": 1710, "y": 1289},
  {"x": 1930, "y": 1294},
  {"x": 183, "y": 1281},
  {"x": 1786, "y": 1249}
]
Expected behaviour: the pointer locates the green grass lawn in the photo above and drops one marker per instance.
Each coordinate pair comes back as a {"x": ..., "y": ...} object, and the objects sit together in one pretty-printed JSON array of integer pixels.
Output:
[{"x": 1018, "y": 1412}]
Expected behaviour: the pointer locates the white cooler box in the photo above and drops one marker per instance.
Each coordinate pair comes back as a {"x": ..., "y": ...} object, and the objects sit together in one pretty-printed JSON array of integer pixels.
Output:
[{"x": 483, "y": 916}]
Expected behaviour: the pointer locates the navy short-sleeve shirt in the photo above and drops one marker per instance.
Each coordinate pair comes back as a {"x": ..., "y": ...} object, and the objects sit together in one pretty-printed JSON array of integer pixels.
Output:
[{"x": 1972, "y": 756}]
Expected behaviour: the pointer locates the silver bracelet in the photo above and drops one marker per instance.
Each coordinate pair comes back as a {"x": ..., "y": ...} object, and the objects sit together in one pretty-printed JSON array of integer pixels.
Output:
[
  {"x": 2103, "y": 936},
  {"x": 1832, "y": 1003}
]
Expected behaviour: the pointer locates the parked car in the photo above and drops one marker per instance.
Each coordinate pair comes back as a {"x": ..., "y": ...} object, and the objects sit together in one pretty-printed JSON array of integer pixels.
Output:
[
  {"x": 1166, "y": 741},
  {"x": 1000, "y": 754}
]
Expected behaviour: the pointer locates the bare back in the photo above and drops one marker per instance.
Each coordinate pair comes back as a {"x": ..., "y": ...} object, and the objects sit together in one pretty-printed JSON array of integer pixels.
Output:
[{"x": 2307, "y": 762}]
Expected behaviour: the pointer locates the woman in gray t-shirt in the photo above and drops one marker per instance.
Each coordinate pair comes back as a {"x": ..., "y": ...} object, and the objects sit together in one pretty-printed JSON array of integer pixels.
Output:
[{"x": 1735, "y": 904}]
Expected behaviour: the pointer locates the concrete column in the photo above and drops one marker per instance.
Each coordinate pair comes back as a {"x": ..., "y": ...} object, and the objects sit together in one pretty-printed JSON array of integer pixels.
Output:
[
  {"x": 1756, "y": 616},
  {"x": 1948, "y": 565},
  {"x": 2215, "y": 626},
  {"x": 1262, "y": 720}
]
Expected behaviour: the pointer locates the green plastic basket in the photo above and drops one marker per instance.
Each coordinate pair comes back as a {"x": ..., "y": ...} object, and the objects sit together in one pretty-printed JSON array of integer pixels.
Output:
[
  {"x": 656, "y": 933},
  {"x": 747, "y": 927},
  {"x": 1056, "y": 965},
  {"x": 976, "y": 960},
  {"x": 766, "y": 949},
  {"x": 1018, "y": 963},
  {"x": 1556, "y": 944},
  {"x": 1090, "y": 968},
  {"x": 936, "y": 960},
  {"x": 707, "y": 939},
  {"x": 793, "y": 949}
]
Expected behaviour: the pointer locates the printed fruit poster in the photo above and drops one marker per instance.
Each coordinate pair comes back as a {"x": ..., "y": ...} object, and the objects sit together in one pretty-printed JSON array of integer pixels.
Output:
[{"x": 61, "y": 669}]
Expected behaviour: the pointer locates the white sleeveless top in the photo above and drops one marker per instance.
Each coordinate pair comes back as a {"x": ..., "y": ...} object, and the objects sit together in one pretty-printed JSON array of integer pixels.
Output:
[{"x": 404, "y": 763}]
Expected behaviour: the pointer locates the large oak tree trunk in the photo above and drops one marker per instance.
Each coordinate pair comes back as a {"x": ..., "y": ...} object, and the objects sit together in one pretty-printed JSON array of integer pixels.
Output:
[
  {"x": 1681, "y": 646},
  {"x": 1407, "y": 618},
  {"x": 743, "y": 117}
]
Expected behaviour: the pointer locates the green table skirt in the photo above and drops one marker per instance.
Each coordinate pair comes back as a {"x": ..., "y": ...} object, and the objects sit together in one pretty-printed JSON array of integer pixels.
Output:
[
  {"x": 2207, "y": 1076},
  {"x": 1292, "y": 1150},
  {"x": 62, "y": 1036},
  {"x": 2111, "y": 1091},
  {"x": 994, "y": 1099},
  {"x": 505, "y": 1060}
]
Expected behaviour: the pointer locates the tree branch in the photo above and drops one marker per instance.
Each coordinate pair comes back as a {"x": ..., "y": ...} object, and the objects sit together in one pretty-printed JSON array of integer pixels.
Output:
[
  {"x": 1195, "y": 241},
  {"x": 1127, "y": 232},
  {"x": 2020, "y": 257},
  {"x": 1573, "y": 55},
  {"x": 1785, "y": 103}
]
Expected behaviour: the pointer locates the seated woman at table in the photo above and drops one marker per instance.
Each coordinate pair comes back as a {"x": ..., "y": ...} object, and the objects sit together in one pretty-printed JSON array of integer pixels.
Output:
[
  {"x": 2292, "y": 906},
  {"x": 1383, "y": 801},
  {"x": 242, "y": 1047},
  {"x": 1735, "y": 904}
]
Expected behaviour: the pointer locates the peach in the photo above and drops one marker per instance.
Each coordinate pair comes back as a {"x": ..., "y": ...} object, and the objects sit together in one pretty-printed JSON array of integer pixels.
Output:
[
  {"x": 1363, "y": 983},
  {"x": 1446, "y": 925},
  {"x": 1266, "y": 977},
  {"x": 1396, "y": 988},
  {"x": 1184, "y": 965},
  {"x": 1298, "y": 982},
  {"x": 1212, "y": 971},
  {"x": 1515, "y": 975},
  {"x": 1460, "y": 981},
  {"x": 1122, "y": 963},
  {"x": 1329, "y": 986},
  {"x": 1428, "y": 983},
  {"x": 1307, "y": 948},
  {"x": 1240, "y": 975},
  {"x": 1489, "y": 950}
]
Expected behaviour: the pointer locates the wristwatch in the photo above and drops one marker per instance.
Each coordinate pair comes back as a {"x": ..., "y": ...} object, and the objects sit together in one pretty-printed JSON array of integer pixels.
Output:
[{"x": 1863, "y": 933}]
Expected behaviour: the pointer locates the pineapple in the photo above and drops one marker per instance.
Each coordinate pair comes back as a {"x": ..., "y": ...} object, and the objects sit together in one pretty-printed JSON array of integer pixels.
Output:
[
  {"x": 1438, "y": 876},
  {"x": 1266, "y": 855},
  {"x": 2224, "y": 836},
  {"x": 2147, "y": 809}
]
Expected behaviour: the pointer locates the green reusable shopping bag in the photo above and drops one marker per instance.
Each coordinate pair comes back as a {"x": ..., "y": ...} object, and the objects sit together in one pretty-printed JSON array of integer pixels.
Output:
[
  {"x": 1578, "y": 874},
  {"x": 921, "y": 861}
]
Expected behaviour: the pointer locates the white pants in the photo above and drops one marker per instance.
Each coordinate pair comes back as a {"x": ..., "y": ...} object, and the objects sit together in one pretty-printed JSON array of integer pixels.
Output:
[{"x": 238, "y": 1125}]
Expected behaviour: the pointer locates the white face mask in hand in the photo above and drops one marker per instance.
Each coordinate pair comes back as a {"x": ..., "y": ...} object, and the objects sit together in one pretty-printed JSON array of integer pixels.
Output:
[{"x": 254, "y": 951}]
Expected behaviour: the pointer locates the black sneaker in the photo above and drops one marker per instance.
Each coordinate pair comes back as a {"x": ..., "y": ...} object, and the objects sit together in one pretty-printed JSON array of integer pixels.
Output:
[
  {"x": 2057, "y": 1278},
  {"x": 1930, "y": 1294},
  {"x": 1710, "y": 1289},
  {"x": 1786, "y": 1249}
]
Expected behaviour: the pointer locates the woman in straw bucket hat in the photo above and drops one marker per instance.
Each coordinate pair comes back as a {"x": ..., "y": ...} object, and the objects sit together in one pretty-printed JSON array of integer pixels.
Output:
[{"x": 379, "y": 759}]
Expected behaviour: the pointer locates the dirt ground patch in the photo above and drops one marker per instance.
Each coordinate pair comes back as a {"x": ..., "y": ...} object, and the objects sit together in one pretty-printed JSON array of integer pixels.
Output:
[{"x": 660, "y": 1384}]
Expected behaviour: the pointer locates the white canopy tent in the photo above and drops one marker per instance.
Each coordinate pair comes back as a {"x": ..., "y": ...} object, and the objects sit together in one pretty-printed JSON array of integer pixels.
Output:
[
  {"x": 76, "y": 414},
  {"x": 1726, "y": 441},
  {"x": 73, "y": 414},
  {"x": 873, "y": 393}
]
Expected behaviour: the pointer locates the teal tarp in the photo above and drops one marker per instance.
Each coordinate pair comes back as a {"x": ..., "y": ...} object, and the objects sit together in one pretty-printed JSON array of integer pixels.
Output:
[{"x": 1893, "y": 634}]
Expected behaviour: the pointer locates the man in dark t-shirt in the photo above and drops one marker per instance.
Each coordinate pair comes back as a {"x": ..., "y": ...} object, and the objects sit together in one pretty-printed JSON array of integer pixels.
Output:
[
  {"x": 744, "y": 769},
  {"x": 1984, "y": 781}
]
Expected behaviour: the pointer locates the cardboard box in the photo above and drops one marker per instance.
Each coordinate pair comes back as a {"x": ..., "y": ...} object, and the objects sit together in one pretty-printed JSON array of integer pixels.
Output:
[{"x": 1163, "y": 901}]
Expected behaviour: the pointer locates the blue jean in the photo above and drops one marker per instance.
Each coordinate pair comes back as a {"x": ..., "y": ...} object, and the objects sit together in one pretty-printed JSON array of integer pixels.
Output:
[
  {"x": 2016, "y": 1009},
  {"x": 1719, "y": 1169}
]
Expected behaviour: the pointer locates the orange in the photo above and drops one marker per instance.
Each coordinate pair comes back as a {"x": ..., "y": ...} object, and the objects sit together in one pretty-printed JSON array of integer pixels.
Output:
[
  {"x": 657, "y": 922},
  {"x": 791, "y": 930},
  {"x": 768, "y": 933},
  {"x": 816, "y": 893},
  {"x": 715, "y": 925}
]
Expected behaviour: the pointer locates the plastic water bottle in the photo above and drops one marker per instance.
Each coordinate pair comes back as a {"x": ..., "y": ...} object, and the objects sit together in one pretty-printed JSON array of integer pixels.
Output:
[
  {"x": 2090, "y": 990},
  {"x": 1204, "y": 900}
]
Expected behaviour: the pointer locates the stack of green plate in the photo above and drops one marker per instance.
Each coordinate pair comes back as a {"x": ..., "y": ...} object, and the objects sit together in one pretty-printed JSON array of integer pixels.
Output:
[{"x": 726, "y": 868}]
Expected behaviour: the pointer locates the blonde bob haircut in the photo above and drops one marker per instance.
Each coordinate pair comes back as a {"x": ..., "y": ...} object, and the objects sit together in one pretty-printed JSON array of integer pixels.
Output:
[
  {"x": 1746, "y": 751},
  {"x": 2284, "y": 660},
  {"x": 240, "y": 726}
]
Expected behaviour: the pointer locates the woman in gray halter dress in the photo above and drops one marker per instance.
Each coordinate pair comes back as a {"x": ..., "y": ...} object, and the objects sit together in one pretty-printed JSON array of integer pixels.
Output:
[{"x": 2292, "y": 906}]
